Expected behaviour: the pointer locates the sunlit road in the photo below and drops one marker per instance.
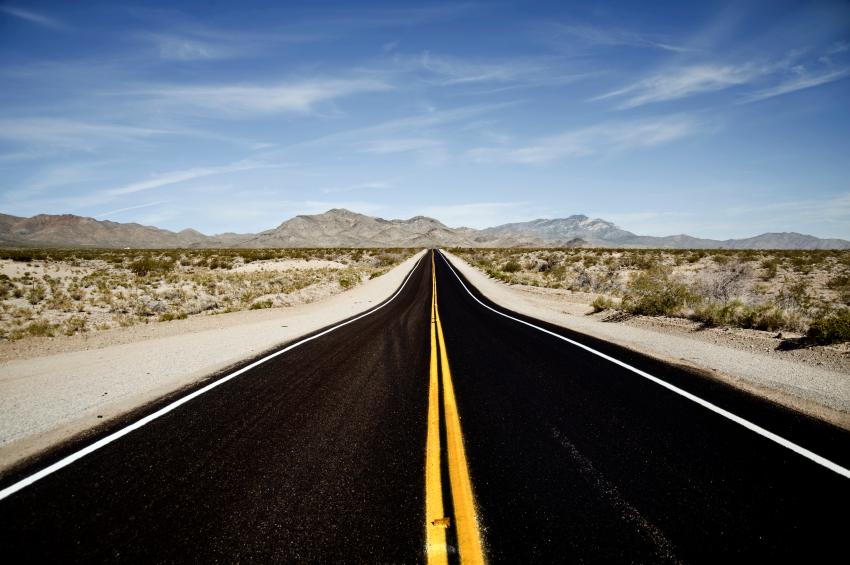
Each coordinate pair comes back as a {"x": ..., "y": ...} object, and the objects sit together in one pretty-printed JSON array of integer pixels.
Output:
[{"x": 356, "y": 446}]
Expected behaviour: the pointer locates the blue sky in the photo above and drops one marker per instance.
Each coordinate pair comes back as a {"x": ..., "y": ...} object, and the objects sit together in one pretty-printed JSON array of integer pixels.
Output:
[{"x": 716, "y": 119}]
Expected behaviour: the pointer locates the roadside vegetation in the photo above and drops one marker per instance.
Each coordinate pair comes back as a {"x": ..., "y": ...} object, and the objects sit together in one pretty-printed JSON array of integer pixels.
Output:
[
  {"x": 50, "y": 292},
  {"x": 798, "y": 291}
]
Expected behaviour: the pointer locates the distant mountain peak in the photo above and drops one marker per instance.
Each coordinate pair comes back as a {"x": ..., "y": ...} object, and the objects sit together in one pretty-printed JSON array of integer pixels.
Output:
[
  {"x": 343, "y": 228},
  {"x": 607, "y": 234}
]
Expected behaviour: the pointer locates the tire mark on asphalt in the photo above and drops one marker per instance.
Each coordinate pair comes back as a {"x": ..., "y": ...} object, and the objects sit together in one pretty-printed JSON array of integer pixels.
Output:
[{"x": 612, "y": 495}]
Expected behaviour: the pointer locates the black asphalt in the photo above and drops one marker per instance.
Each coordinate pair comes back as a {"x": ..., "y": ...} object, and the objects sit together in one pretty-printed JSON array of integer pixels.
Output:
[{"x": 318, "y": 456}]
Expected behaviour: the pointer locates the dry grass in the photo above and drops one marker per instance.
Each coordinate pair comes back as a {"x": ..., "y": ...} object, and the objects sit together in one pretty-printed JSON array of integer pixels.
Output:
[
  {"x": 47, "y": 291},
  {"x": 770, "y": 290}
]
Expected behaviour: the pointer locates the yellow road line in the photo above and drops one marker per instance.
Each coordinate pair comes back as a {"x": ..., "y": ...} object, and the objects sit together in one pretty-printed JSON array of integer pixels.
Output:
[
  {"x": 468, "y": 535},
  {"x": 435, "y": 534}
]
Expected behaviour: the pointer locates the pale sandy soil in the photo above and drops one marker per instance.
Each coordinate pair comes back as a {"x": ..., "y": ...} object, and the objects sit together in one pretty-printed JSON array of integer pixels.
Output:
[
  {"x": 814, "y": 380},
  {"x": 53, "y": 389},
  {"x": 37, "y": 269},
  {"x": 286, "y": 265}
]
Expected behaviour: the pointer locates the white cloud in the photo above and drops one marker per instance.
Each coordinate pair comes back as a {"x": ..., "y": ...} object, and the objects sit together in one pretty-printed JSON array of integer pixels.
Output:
[
  {"x": 33, "y": 17},
  {"x": 389, "y": 46},
  {"x": 683, "y": 82},
  {"x": 596, "y": 36},
  {"x": 518, "y": 72},
  {"x": 52, "y": 132},
  {"x": 133, "y": 208},
  {"x": 330, "y": 190},
  {"x": 798, "y": 84},
  {"x": 603, "y": 138},
  {"x": 177, "y": 48},
  {"x": 397, "y": 145},
  {"x": 240, "y": 101},
  {"x": 180, "y": 176}
]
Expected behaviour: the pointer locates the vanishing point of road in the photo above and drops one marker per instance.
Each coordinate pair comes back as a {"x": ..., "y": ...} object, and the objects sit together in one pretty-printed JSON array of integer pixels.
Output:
[{"x": 441, "y": 428}]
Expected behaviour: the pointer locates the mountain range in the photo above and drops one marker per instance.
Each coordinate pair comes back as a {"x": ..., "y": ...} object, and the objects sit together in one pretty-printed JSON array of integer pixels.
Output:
[
  {"x": 605, "y": 234},
  {"x": 343, "y": 228},
  {"x": 334, "y": 228}
]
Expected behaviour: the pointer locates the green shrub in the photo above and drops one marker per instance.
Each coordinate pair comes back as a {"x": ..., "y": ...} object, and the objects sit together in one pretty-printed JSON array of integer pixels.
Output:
[
  {"x": 768, "y": 317},
  {"x": 770, "y": 266},
  {"x": 345, "y": 283},
  {"x": 512, "y": 267},
  {"x": 832, "y": 329},
  {"x": 168, "y": 316},
  {"x": 36, "y": 294},
  {"x": 603, "y": 303},
  {"x": 74, "y": 324},
  {"x": 260, "y": 305},
  {"x": 38, "y": 328},
  {"x": 145, "y": 266},
  {"x": 654, "y": 294},
  {"x": 499, "y": 275}
]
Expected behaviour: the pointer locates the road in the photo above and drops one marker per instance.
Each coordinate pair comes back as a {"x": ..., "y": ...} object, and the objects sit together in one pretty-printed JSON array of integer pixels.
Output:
[{"x": 346, "y": 448}]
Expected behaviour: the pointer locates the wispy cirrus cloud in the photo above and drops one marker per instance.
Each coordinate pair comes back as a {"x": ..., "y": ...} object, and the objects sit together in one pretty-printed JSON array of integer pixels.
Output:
[
  {"x": 398, "y": 145},
  {"x": 681, "y": 83},
  {"x": 188, "y": 174},
  {"x": 33, "y": 17},
  {"x": 789, "y": 74},
  {"x": 57, "y": 132},
  {"x": 112, "y": 212},
  {"x": 507, "y": 73},
  {"x": 184, "y": 49},
  {"x": 236, "y": 101},
  {"x": 360, "y": 186},
  {"x": 603, "y": 138},
  {"x": 593, "y": 35},
  {"x": 797, "y": 83}
]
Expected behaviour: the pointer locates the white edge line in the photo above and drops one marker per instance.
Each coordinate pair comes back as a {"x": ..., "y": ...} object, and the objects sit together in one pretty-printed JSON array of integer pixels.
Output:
[
  {"x": 758, "y": 429},
  {"x": 23, "y": 483}
]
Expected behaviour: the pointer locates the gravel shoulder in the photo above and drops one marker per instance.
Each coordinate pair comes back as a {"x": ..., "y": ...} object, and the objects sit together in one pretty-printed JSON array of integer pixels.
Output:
[
  {"x": 812, "y": 380},
  {"x": 51, "y": 390}
]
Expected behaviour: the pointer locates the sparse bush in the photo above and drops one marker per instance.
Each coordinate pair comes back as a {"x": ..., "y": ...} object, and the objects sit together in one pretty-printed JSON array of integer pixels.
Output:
[
  {"x": 260, "y": 305},
  {"x": 654, "y": 294},
  {"x": 37, "y": 328},
  {"x": 768, "y": 317},
  {"x": 731, "y": 280},
  {"x": 147, "y": 266},
  {"x": 36, "y": 294},
  {"x": 75, "y": 324},
  {"x": 831, "y": 329},
  {"x": 512, "y": 267},
  {"x": 795, "y": 296},
  {"x": 770, "y": 267},
  {"x": 603, "y": 303},
  {"x": 558, "y": 272},
  {"x": 168, "y": 316}
]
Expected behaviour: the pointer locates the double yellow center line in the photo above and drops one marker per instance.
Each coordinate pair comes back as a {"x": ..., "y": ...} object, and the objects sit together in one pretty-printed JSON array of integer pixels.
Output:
[{"x": 465, "y": 520}]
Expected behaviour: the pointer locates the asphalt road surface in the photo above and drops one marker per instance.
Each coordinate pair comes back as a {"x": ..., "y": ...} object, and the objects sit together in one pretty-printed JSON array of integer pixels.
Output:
[{"x": 319, "y": 455}]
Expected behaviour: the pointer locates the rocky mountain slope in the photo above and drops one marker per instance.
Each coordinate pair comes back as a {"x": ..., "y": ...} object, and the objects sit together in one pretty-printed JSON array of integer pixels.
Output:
[
  {"x": 606, "y": 234},
  {"x": 343, "y": 228},
  {"x": 335, "y": 228}
]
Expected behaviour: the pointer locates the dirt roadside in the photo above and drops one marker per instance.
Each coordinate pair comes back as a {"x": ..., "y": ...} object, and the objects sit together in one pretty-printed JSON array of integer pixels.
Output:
[
  {"x": 812, "y": 380},
  {"x": 53, "y": 389}
]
